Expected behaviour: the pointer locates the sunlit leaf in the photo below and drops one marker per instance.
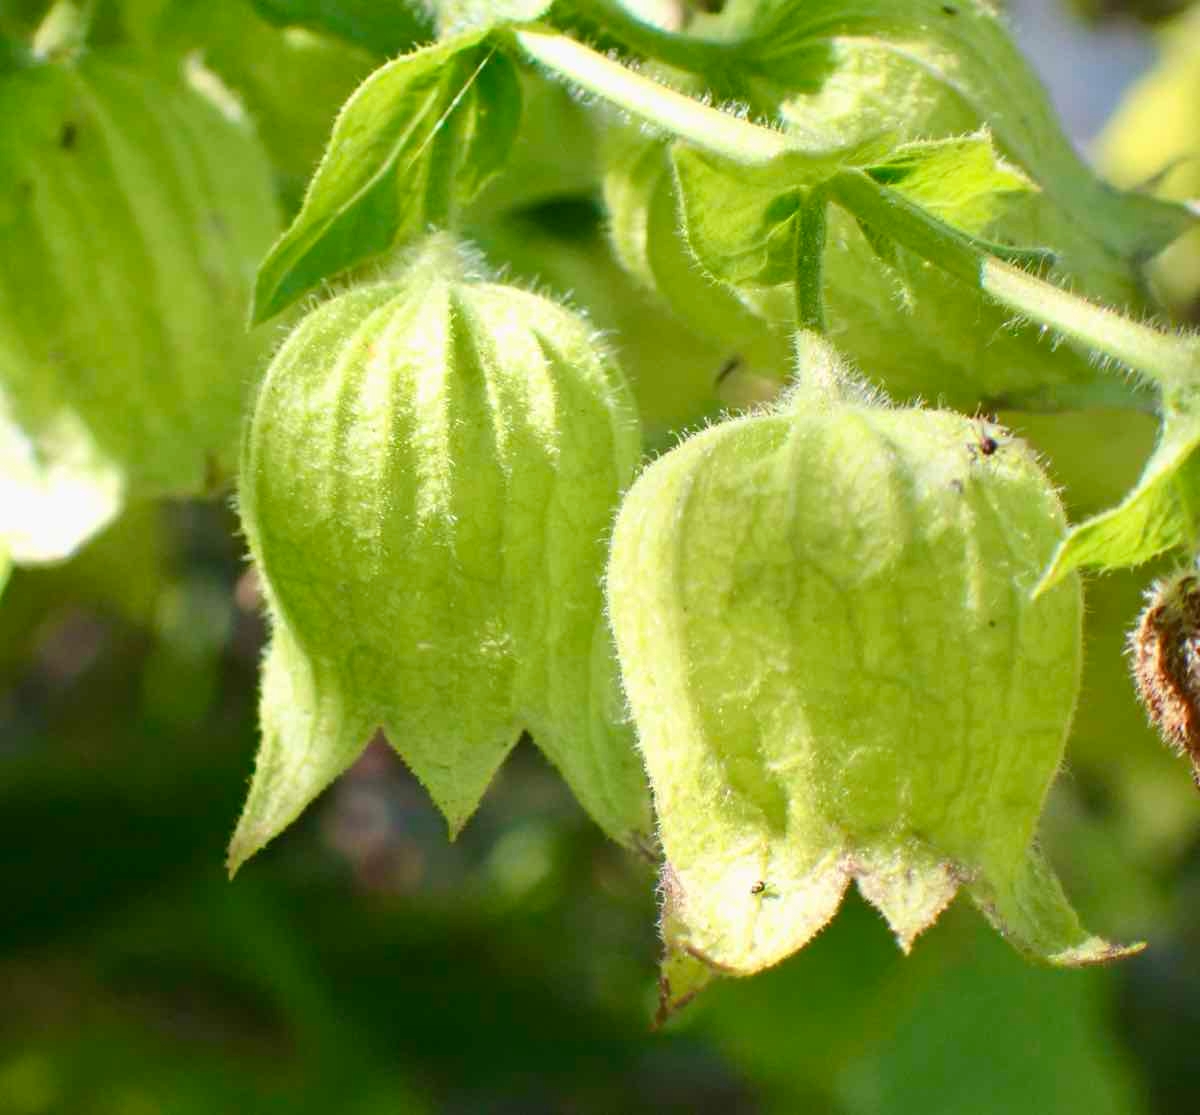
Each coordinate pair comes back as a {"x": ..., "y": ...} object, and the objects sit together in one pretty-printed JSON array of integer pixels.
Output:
[
  {"x": 292, "y": 83},
  {"x": 962, "y": 181},
  {"x": 420, "y": 137},
  {"x": 740, "y": 220},
  {"x": 968, "y": 51},
  {"x": 916, "y": 330},
  {"x": 1161, "y": 513},
  {"x": 741, "y": 223}
]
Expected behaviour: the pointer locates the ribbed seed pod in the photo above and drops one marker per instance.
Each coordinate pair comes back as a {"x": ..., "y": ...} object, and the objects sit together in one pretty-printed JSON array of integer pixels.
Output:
[
  {"x": 427, "y": 488},
  {"x": 133, "y": 213},
  {"x": 837, "y": 671}
]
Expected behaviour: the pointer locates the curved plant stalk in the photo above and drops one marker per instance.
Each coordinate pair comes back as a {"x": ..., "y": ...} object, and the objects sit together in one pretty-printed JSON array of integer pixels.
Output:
[{"x": 1159, "y": 514}]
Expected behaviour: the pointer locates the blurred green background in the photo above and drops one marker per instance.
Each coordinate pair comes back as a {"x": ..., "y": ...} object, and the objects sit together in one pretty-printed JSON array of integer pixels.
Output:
[{"x": 363, "y": 964}]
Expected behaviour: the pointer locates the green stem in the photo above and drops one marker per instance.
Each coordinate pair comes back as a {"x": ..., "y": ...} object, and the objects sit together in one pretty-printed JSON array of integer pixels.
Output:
[
  {"x": 820, "y": 377},
  {"x": 810, "y": 259},
  {"x": 1170, "y": 362},
  {"x": 652, "y": 102},
  {"x": 906, "y": 222}
]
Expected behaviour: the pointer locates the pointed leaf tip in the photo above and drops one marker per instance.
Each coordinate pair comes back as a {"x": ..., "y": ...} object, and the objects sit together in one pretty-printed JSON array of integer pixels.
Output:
[
  {"x": 418, "y": 138},
  {"x": 1155, "y": 517}
]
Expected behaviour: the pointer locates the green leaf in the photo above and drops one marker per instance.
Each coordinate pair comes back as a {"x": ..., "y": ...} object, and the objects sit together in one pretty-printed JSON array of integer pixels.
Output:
[
  {"x": 1012, "y": 368},
  {"x": 1160, "y": 514},
  {"x": 740, "y": 221},
  {"x": 962, "y": 181},
  {"x": 418, "y": 139},
  {"x": 870, "y": 1028},
  {"x": 966, "y": 47},
  {"x": 132, "y": 213},
  {"x": 384, "y": 27},
  {"x": 918, "y": 331},
  {"x": 5, "y": 568},
  {"x": 890, "y": 213},
  {"x": 642, "y": 203},
  {"x": 292, "y": 85}
]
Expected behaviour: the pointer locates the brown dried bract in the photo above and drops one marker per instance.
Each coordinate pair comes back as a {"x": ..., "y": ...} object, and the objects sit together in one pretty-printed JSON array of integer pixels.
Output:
[{"x": 1165, "y": 649}]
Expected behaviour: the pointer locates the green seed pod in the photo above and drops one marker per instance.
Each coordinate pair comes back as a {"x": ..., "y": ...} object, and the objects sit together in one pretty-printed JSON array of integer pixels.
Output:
[
  {"x": 133, "y": 212},
  {"x": 428, "y": 483},
  {"x": 837, "y": 671}
]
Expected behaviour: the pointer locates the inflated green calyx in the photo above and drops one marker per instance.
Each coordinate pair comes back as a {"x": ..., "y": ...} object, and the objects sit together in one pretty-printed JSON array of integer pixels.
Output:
[
  {"x": 827, "y": 635},
  {"x": 428, "y": 484},
  {"x": 133, "y": 212}
]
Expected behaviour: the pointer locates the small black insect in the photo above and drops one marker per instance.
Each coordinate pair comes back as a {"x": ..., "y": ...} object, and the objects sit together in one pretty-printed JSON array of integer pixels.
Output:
[
  {"x": 949, "y": 9},
  {"x": 68, "y": 136},
  {"x": 986, "y": 442},
  {"x": 758, "y": 887}
]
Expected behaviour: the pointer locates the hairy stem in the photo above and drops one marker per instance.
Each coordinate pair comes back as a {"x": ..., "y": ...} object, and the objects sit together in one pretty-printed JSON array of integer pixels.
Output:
[
  {"x": 652, "y": 102},
  {"x": 809, "y": 268},
  {"x": 1168, "y": 361},
  {"x": 1172, "y": 363}
]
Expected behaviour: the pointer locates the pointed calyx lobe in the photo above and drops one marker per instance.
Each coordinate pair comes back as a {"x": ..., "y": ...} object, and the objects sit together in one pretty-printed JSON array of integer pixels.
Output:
[
  {"x": 429, "y": 479},
  {"x": 837, "y": 671}
]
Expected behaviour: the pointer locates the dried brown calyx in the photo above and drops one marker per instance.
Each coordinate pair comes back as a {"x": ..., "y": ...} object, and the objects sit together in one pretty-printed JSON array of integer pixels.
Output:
[{"x": 1165, "y": 649}]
